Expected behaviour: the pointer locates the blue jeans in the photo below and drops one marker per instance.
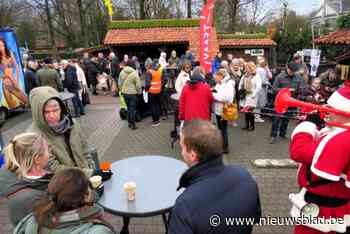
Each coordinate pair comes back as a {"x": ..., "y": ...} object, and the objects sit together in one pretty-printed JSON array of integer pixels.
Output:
[
  {"x": 131, "y": 103},
  {"x": 280, "y": 124},
  {"x": 77, "y": 103}
]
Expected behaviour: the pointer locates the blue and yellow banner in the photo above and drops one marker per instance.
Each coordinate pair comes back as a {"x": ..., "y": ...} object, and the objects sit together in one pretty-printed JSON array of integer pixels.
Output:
[{"x": 12, "y": 86}]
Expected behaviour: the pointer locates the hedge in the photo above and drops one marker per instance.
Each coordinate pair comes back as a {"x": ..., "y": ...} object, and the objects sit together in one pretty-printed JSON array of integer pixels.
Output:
[
  {"x": 242, "y": 36},
  {"x": 41, "y": 56},
  {"x": 153, "y": 23},
  {"x": 343, "y": 21}
]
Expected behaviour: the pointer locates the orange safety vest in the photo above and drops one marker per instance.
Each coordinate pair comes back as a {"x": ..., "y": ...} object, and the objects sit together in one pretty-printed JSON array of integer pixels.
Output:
[{"x": 156, "y": 82}]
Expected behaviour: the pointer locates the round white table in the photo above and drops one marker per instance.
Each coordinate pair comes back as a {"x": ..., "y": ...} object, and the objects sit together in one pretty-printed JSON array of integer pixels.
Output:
[{"x": 156, "y": 178}]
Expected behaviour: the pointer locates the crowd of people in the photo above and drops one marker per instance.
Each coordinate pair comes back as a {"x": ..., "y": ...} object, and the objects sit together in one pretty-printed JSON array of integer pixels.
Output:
[{"x": 46, "y": 174}]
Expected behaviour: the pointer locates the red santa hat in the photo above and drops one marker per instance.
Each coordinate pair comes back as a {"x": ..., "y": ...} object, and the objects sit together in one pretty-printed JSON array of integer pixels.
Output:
[{"x": 340, "y": 99}]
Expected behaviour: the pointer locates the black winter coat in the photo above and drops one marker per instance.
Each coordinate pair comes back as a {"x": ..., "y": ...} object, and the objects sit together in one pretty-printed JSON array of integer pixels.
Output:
[
  {"x": 70, "y": 79},
  {"x": 91, "y": 71},
  {"x": 115, "y": 68},
  {"x": 215, "y": 189},
  {"x": 30, "y": 80}
]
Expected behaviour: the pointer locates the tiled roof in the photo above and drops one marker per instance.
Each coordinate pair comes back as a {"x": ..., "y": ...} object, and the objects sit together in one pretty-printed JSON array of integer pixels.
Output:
[
  {"x": 338, "y": 37},
  {"x": 149, "y": 35},
  {"x": 246, "y": 42}
]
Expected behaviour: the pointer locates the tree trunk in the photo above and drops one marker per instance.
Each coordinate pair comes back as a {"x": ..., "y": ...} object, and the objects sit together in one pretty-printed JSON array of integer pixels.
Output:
[
  {"x": 142, "y": 9},
  {"x": 189, "y": 9},
  {"x": 234, "y": 15},
  {"x": 49, "y": 24},
  {"x": 82, "y": 22}
]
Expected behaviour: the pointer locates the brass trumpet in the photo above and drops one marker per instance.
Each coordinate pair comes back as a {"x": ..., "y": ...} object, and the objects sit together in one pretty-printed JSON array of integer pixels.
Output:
[{"x": 284, "y": 100}]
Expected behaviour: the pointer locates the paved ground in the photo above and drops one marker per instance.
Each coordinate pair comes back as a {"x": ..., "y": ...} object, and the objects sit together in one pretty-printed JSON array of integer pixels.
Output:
[{"x": 115, "y": 141}]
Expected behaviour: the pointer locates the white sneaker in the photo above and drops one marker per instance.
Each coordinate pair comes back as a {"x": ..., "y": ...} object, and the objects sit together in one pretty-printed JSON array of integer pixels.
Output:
[
  {"x": 259, "y": 120},
  {"x": 155, "y": 124},
  {"x": 234, "y": 124}
]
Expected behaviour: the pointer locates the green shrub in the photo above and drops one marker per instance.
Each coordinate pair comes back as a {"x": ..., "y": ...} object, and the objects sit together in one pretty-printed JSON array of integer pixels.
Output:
[
  {"x": 242, "y": 36},
  {"x": 62, "y": 55},
  {"x": 153, "y": 23},
  {"x": 343, "y": 21}
]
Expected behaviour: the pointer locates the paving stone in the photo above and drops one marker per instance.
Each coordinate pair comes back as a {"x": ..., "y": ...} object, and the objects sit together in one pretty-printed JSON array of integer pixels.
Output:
[{"x": 115, "y": 141}]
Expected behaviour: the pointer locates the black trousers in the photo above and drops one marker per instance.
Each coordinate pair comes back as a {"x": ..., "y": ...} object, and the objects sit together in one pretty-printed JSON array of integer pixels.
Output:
[
  {"x": 154, "y": 101},
  {"x": 222, "y": 125},
  {"x": 249, "y": 120}
]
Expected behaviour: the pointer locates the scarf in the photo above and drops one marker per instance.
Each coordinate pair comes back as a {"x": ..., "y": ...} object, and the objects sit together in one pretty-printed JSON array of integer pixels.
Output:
[
  {"x": 62, "y": 126},
  {"x": 248, "y": 84}
]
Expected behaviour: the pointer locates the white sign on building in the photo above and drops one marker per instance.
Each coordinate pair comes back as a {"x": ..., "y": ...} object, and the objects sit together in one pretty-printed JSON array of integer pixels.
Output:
[
  {"x": 315, "y": 61},
  {"x": 257, "y": 52}
]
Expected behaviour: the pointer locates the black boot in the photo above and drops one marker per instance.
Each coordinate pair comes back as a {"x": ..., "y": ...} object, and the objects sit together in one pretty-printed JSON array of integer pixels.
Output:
[
  {"x": 246, "y": 126},
  {"x": 133, "y": 126},
  {"x": 252, "y": 123},
  {"x": 225, "y": 150}
]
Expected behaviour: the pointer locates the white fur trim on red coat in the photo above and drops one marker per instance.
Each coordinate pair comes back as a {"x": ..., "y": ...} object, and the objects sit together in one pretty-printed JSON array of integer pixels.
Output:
[
  {"x": 318, "y": 153},
  {"x": 306, "y": 127},
  {"x": 339, "y": 102}
]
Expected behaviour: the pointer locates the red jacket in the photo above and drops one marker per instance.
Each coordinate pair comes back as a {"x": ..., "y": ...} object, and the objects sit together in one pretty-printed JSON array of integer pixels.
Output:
[
  {"x": 195, "y": 102},
  {"x": 323, "y": 154},
  {"x": 326, "y": 154}
]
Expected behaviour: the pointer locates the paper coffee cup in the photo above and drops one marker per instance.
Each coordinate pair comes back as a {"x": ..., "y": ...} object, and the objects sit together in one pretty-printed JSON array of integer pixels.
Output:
[
  {"x": 130, "y": 189},
  {"x": 96, "y": 181}
]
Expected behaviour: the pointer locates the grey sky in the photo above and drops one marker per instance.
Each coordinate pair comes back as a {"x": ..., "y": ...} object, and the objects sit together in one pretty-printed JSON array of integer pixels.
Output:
[
  {"x": 302, "y": 7},
  {"x": 305, "y": 6}
]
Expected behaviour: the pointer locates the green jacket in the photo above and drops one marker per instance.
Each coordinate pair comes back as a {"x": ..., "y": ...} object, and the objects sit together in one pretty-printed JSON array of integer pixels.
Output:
[
  {"x": 21, "y": 194},
  {"x": 59, "y": 150},
  {"x": 129, "y": 81},
  {"x": 49, "y": 77},
  {"x": 80, "y": 221}
]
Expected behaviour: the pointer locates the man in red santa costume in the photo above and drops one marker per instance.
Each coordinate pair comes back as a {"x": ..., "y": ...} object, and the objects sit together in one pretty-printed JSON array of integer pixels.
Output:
[{"x": 324, "y": 172}]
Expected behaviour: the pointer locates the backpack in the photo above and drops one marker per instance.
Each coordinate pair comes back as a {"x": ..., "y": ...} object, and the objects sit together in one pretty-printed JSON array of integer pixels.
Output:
[{"x": 123, "y": 113}]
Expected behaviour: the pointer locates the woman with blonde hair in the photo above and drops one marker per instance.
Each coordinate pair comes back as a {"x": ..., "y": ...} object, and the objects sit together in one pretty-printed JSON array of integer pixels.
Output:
[
  {"x": 183, "y": 77},
  {"x": 251, "y": 84},
  {"x": 224, "y": 92},
  {"x": 23, "y": 178},
  {"x": 67, "y": 207}
]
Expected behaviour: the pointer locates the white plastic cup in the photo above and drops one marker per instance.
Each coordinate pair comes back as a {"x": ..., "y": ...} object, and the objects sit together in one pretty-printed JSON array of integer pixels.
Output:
[
  {"x": 95, "y": 181},
  {"x": 130, "y": 189}
]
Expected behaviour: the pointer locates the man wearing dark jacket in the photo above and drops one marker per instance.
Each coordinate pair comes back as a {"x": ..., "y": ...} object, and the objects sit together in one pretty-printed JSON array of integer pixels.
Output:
[
  {"x": 47, "y": 76},
  {"x": 213, "y": 191},
  {"x": 71, "y": 83},
  {"x": 91, "y": 71},
  {"x": 286, "y": 79},
  {"x": 30, "y": 78}
]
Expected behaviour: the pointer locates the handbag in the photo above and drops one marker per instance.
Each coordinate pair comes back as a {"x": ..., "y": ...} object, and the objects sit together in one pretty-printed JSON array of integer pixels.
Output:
[
  {"x": 102, "y": 82},
  {"x": 85, "y": 98},
  {"x": 230, "y": 111}
]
